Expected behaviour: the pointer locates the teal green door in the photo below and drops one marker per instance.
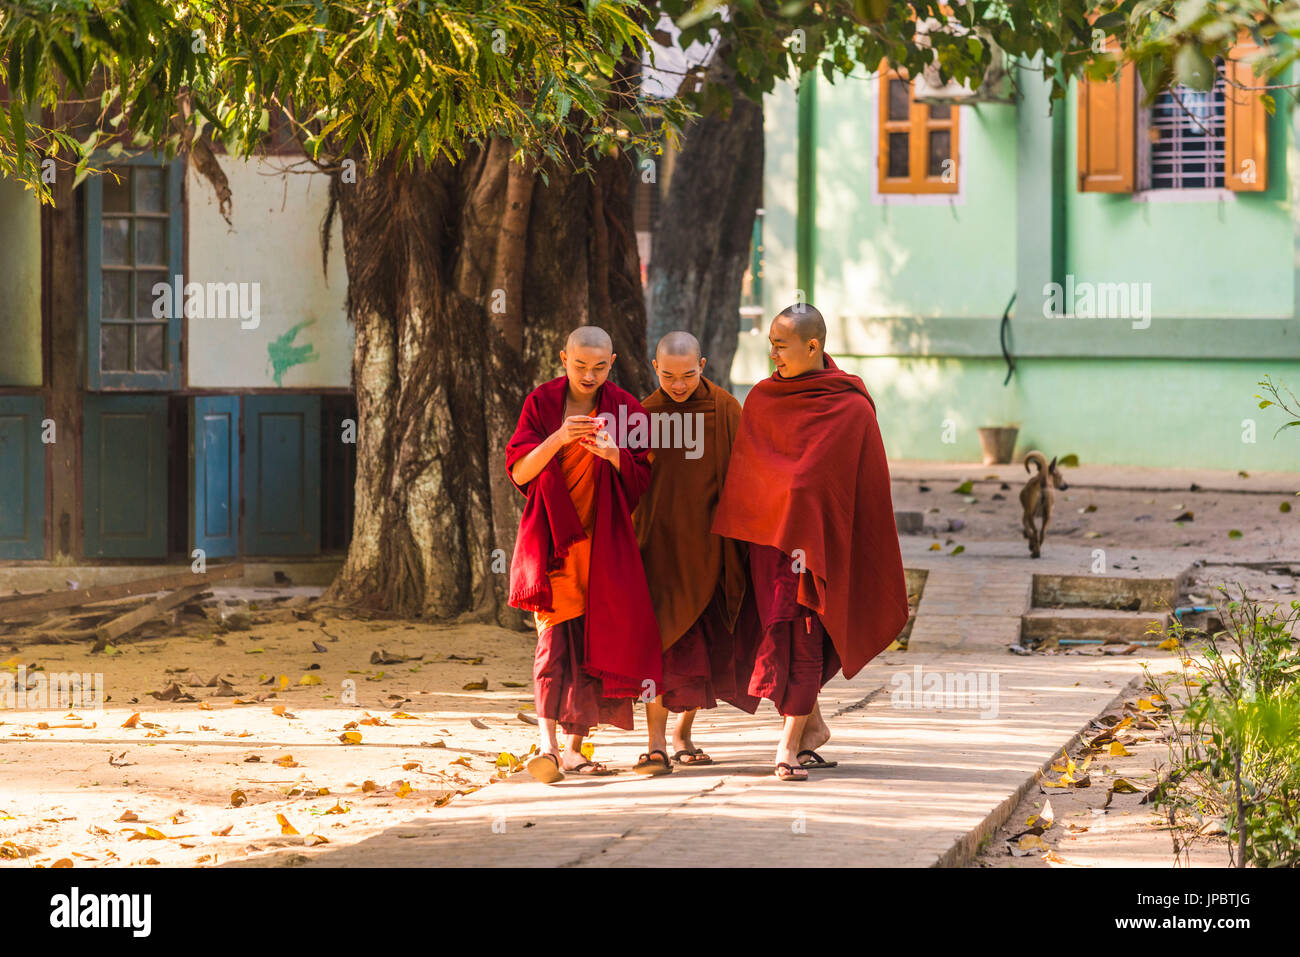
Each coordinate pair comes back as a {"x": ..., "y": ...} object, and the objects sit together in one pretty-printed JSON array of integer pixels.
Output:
[
  {"x": 22, "y": 477},
  {"x": 214, "y": 503},
  {"x": 124, "y": 476},
  {"x": 281, "y": 475}
]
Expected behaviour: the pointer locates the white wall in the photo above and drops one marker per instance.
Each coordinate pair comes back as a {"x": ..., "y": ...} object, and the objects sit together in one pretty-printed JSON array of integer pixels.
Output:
[{"x": 274, "y": 242}]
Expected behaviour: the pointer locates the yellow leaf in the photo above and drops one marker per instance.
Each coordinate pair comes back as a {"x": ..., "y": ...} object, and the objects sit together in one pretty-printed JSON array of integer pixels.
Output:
[
  {"x": 1032, "y": 842},
  {"x": 286, "y": 761},
  {"x": 338, "y": 809},
  {"x": 1169, "y": 644},
  {"x": 1144, "y": 705},
  {"x": 1124, "y": 787},
  {"x": 279, "y": 710},
  {"x": 403, "y": 789},
  {"x": 587, "y": 749},
  {"x": 310, "y": 680},
  {"x": 403, "y": 715},
  {"x": 285, "y": 826},
  {"x": 462, "y": 760},
  {"x": 313, "y": 839},
  {"x": 132, "y": 721},
  {"x": 284, "y": 682},
  {"x": 350, "y": 737},
  {"x": 1117, "y": 750},
  {"x": 507, "y": 760},
  {"x": 204, "y": 706},
  {"x": 322, "y": 792}
]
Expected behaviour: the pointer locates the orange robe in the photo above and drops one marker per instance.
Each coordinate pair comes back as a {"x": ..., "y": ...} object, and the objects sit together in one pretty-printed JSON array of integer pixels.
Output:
[{"x": 569, "y": 581}]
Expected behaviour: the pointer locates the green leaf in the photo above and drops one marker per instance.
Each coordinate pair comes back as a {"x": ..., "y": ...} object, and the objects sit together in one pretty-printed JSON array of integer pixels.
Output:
[
  {"x": 1068, "y": 461},
  {"x": 1284, "y": 507},
  {"x": 1234, "y": 534},
  {"x": 1193, "y": 68},
  {"x": 965, "y": 488}
]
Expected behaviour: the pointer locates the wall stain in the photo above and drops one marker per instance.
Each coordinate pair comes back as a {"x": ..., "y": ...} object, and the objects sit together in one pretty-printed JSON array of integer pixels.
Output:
[{"x": 283, "y": 355}]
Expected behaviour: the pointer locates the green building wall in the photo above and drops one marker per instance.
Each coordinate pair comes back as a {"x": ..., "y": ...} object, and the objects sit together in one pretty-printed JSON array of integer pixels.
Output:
[{"x": 913, "y": 293}]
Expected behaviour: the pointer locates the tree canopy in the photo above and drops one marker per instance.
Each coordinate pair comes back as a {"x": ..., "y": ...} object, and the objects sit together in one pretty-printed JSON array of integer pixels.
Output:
[{"x": 420, "y": 79}]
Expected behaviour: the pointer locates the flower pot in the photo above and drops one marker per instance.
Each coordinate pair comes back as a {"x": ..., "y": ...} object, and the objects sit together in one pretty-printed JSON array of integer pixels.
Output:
[{"x": 998, "y": 443}]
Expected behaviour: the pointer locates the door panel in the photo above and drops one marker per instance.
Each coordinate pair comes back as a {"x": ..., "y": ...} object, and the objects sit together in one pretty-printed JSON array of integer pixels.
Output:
[
  {"x": 282, "y": 475},
  {"x": 124, "y": 479},
  {"x": 22, "y": 477},
  {"x": 214, "y": 515}
]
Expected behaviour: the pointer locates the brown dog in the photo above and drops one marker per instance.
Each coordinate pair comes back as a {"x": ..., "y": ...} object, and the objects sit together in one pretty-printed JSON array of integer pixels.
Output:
[{"x": 1036, "y": 499}]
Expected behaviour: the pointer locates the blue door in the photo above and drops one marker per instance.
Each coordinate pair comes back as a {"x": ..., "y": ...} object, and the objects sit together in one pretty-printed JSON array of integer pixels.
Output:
[
  {"x": 214, "y": 515},
  {"x": 282, "y": 475},
  {"x": 22, "y": 477},
  {"x": 124, "y": 461}
]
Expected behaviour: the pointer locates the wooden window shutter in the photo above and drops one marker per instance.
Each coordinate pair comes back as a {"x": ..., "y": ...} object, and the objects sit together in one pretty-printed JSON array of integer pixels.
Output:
[
  {"x": 1107, "y": 133},
  {"x": 1245, "y": 156}
]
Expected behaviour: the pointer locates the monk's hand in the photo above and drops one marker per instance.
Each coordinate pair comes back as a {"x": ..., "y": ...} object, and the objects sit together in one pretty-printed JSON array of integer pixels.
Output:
[
  {"x": 603, "y": 445},
  {"x": 575, "y": 427}
]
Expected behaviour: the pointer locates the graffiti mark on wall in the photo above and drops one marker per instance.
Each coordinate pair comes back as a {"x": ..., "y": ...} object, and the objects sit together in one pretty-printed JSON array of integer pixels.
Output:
[{"x": 283, "y": 354}]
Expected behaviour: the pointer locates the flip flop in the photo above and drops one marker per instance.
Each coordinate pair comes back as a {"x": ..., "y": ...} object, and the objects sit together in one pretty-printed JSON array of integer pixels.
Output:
[
  {"x": 785, "y": 772},
  {"x": 545, "y": 767},
  {"x": 815, "y": 761},
  {"x": 597, "y": 769},
  {"x": 649, "y": 764},
  {"x": 697, "y": 754}
]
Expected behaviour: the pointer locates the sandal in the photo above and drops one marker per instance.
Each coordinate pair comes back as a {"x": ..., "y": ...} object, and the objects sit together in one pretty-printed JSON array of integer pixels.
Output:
[
  {"x": 545, "y": 767},
  {"x": 653, "y": 766},
  {"x": 597, "y": 769},
  {"x": 695, "y": 756},
  {"x": 785, "y": 772},
  {"x": 815, "y": 762}
]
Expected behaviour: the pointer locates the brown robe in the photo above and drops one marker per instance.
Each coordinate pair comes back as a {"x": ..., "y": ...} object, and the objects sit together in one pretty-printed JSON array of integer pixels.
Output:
[{"x": 685, "y": 563}]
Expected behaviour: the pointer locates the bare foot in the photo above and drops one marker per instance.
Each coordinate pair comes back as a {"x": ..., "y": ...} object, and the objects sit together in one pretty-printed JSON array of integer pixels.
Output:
[{"x": 816, "y": 732}]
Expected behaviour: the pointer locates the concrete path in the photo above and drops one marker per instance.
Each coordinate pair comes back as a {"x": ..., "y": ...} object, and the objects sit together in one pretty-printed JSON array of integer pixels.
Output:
[{"x": 915, "y": 786}]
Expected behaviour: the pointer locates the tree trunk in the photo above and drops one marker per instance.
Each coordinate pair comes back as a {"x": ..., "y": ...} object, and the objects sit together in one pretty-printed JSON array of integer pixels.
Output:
[
  {"x": 702, "y": 243},
  {"x": 463, "y": 281}
]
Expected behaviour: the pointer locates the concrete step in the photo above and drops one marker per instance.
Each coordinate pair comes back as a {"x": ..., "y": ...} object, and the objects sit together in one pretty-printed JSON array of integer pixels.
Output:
[
  {"x": 1050, "y": 625},
  {"x": 1106, "y": 591}
]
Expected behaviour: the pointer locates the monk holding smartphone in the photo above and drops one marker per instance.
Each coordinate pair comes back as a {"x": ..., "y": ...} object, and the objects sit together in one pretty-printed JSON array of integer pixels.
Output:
[{"x": 576, "y": 565}]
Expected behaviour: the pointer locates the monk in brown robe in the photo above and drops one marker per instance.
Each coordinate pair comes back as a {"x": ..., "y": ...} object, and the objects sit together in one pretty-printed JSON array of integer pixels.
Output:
[
  {"x": 576, "y": 565},
  {"x": 808, "y": 488},
  {"x": 697, "y": 579}
]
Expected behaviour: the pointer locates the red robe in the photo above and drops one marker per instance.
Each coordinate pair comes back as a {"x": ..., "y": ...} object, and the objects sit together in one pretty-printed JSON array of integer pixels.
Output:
[
  {"x": 621, "y": 638},
  {"x": 809, "y": 476}
]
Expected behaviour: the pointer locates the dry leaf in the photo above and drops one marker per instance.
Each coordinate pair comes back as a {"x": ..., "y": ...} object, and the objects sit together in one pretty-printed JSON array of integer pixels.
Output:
[
  {"x": 238, "y": 798},
  {"x": 132, "y": 721},
  {"x": 350, "y": 737},
  {"x": 285, "y": 826}
]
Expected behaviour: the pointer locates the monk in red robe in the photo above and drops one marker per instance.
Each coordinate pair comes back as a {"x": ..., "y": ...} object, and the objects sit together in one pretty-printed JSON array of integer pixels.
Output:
[
  {"x": 576, "y": 565},
  {"x": 697, "y": 579},
  {"x": 808, "y": 487}
]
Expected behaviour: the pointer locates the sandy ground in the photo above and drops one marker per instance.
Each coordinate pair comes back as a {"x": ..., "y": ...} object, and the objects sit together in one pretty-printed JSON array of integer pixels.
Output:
[
  {"x": 1097, "y": 825},
  {"x": 101, "y": 795},
  {"x": 1114, "y": 518}
]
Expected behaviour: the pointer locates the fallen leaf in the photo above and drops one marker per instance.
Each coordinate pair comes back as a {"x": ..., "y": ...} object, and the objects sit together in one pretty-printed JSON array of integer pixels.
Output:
[
  {"x": 238, "y": 798},
  {"x": 285, "y": 826},
  {"x": 350, "y": 737},
  {"x": 480, "y": 685},
  {"x": 132, "y": 721},
  {"x": 128, "y": 816},
  {"x": 223, "y": 832}
]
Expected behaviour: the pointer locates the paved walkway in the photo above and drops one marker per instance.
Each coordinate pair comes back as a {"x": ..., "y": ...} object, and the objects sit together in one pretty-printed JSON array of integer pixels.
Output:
[{"x": 914, "y": 787}]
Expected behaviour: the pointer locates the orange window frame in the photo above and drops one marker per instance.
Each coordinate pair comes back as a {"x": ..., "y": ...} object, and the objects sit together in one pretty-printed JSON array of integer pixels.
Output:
[{"x": 918, "y": 127}]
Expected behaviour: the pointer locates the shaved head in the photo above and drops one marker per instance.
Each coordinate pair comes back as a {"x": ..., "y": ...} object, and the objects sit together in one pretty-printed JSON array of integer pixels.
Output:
[
  {"x": 589, "y": 337},
  {"x": 678, "y": 344},
  {"x": 807, "y": 322}
]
